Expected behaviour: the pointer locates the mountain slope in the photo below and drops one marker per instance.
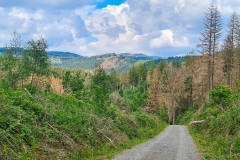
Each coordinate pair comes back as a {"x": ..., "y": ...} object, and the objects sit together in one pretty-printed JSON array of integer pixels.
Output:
[
  {"x": 64, "y": 54},
  {"x": 119, "y": 62},
  {"x": 110, "y": 61}
]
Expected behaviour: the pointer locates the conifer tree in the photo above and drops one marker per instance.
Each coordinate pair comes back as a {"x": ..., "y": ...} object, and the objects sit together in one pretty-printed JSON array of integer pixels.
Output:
[
  {"x": 151, "y": 68},
  {"x": 133, "y": 76},
  {"x": 114, "y": 81}
]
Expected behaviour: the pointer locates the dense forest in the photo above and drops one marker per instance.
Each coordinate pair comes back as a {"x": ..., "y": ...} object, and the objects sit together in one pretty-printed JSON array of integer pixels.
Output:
[{"x": 53, "y": 113}]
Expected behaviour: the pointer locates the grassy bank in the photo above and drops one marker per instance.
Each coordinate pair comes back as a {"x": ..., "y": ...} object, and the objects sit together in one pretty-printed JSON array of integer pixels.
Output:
[
  {"x": 218, "y": 137},
  {"x": 44, "y": 125},
  {"x": 145, "y": 135}
]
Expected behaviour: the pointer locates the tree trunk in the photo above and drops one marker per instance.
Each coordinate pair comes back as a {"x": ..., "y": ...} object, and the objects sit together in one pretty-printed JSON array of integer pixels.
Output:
[
  {"x": 212, "y": 70},
  {"x": 239, "y": 69},
  {"x": 209, "y": 77},
  {"x": 32, "y": 78}
]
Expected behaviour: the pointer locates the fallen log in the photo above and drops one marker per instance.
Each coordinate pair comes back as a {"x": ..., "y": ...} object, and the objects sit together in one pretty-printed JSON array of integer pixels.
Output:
[{"x": 197, "y": 122}]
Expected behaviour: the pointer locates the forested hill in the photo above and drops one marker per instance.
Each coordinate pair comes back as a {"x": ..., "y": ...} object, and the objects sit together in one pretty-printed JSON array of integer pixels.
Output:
[
  {"x": 119, "y": 62},
  {"x": 54, "y": 54},
  {"x": 109, "y": 61}
]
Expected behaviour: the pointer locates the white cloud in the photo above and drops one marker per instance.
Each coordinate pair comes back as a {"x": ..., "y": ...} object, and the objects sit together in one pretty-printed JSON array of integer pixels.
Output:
[
  {"x": 167, "y": 39},
  {"x": 148, "y": 26}
]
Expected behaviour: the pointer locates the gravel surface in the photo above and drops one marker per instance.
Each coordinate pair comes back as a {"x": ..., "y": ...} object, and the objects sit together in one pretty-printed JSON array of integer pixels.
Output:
[{"x": 174, "y": 143}]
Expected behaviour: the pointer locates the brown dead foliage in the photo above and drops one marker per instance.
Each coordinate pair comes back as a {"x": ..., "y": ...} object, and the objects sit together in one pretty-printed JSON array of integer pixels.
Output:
[
  {"x": 56, "y": 85},
  {"x": 112, "y": 63},
  {"x": 170, "y": 94}
]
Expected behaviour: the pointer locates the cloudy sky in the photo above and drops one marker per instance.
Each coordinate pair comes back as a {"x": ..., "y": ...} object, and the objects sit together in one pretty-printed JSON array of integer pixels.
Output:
[{"x": 92, "y": 27}]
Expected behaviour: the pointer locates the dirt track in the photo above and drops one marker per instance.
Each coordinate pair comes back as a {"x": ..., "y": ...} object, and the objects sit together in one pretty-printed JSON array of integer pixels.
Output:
[{"x": 174, "y": 143}]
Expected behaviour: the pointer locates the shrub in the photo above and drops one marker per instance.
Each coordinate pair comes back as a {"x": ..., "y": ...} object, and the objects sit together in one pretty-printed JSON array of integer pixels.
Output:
[
  {"x": 221, "y": 95},
  {"x": 4, "y": 84},
  {"x": 31, "y": 88}
]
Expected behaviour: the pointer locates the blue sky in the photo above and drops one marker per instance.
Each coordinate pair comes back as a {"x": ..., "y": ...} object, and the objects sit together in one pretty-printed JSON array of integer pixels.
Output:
[
  {"x": 105, "y": 3},
  {"x": 92, "y": 27}
]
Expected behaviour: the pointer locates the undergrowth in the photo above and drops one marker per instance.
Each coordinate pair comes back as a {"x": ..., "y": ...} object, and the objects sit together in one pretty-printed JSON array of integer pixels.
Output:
[
  {"x": 44, "y": 125},
  {"x": 218, "y": 136}
]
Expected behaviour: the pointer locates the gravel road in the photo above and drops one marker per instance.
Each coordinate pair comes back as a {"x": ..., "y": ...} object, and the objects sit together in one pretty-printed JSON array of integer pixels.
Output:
[{"x": 174, "y": 143}]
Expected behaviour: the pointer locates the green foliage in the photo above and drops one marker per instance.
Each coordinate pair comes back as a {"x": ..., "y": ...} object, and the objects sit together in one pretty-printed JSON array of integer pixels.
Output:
[
  {"x": 76, "y": 84},
  {"x": 137, "y": 101},
  {"x": 66, "y": 80},
  {"x": 133, "y": 76},
  {"x": 114, "y": 80},
  {"x": 4, "y": 84},
  {"x": 100, "y": 78},
  {"x": 31, "y": 88},
  {"x": 162, "y": 114},
  {"x": 79, "y": 63},
  {"x": 142, "y": 72},
  {"x": 218, "y": 136},
  {"x": 83, "y": 123},
  {"x": 151, "y": 68},
  {"x": 100, "y": 89},
  {"x": 144, "y": 119},
  {"x": 72, "y": 81},
  {"x": 238, "y": 86},
  {"x": 177, "y": 64},
  {"x": 10, "y": 60},
  {"x": 162, "y": 65},
  {"x": 188, "y": 82},
  {"x": 137, "y": 74},
  {"x": 37, "y": 58},
  {"x": 222, "y": 96},
  {"x": 18, "y": 63},
  {"x": 48, "y": 88},
  {"x": 185, "y": 117},
  {"x": 44, "y": 122},
  {"x": 120, "y": 92}
]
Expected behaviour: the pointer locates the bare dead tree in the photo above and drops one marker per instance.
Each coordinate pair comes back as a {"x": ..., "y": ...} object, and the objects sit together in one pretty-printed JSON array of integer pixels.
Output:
[
  {"x": 237, "y": 42},
  {"x": 229, "y": 46},
  {"x": 227, "y": 59},
  {"x": 210, "y": 40}
]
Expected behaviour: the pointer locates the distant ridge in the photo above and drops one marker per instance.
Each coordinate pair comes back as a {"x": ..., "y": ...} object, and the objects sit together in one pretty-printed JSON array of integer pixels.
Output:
[
  {"x": 134, "y": 55},
  {"x": 63, "y": 54},
  {"x": 59, "y": 54},
  {"x": 109, "y": 61}
]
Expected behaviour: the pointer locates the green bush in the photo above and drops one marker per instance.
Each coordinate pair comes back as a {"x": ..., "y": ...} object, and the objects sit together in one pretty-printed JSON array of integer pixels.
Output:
[
  {"x": 4, "y": 84},
  {"x": 185, "y": 117},
  {"x": 162, "y": 113},
  {"x": 31, "y": 88},
  {"x": 218, "y": 136},
  {"x": 222, "y": 96}
]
